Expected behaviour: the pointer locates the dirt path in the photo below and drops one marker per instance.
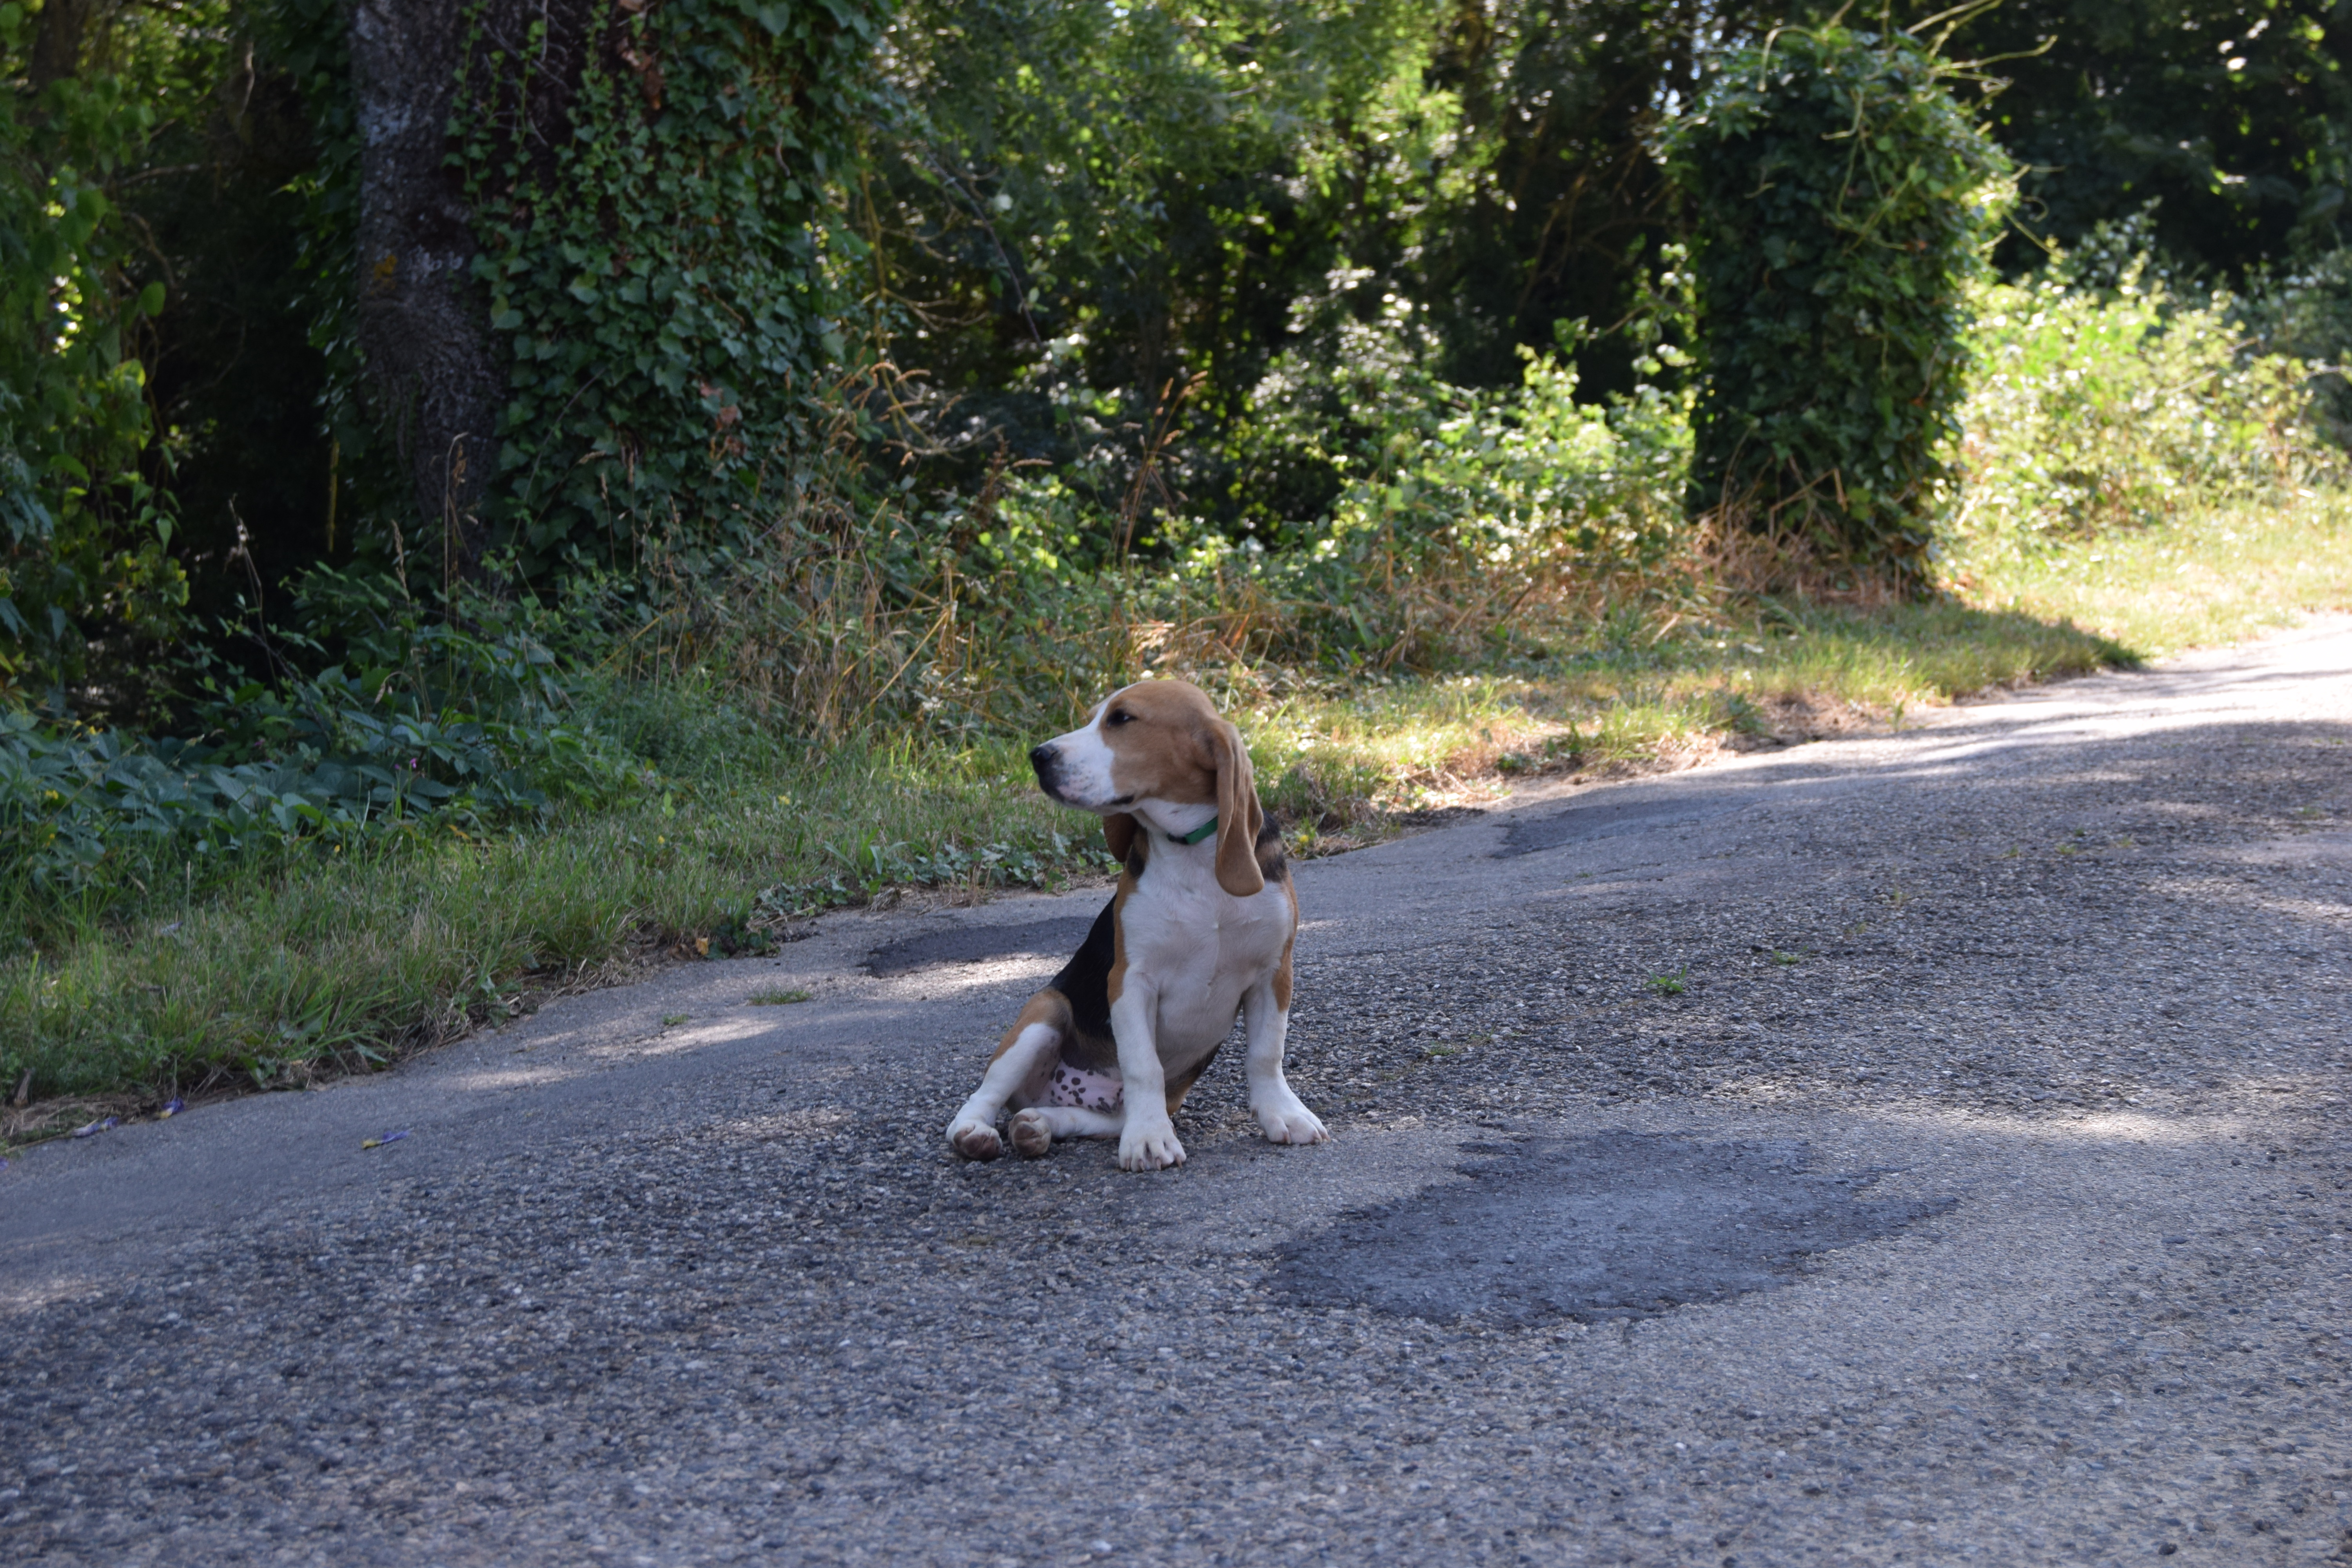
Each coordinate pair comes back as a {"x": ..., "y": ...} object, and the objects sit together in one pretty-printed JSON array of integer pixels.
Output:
[{"x": 1925, "y": 1149}]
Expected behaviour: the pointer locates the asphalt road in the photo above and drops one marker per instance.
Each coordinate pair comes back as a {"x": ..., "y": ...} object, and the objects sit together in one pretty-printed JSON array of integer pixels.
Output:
[{"x": 1926, "y": 1149}]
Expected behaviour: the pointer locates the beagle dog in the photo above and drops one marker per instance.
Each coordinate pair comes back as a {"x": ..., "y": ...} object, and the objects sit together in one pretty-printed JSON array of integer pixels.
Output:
[{"x": 1200, "y": 927}]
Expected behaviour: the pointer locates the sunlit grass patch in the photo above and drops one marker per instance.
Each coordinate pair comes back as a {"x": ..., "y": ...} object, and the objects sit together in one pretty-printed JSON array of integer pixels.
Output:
[
  {"x": 2214, "y": 576},
  {"x": 1787, "y": 672}
]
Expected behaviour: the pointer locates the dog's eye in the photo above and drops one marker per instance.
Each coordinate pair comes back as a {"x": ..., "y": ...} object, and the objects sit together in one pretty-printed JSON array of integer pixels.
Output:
[{"x": 1119, "y": 716}]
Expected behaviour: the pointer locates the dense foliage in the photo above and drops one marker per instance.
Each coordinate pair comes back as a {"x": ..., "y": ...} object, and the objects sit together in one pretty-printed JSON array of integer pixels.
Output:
[
  {"x": 411, "y": 724},
  {"x": 935, "y": 363},
  {"x": 1131, "y": 243},
  {"x": 2236, "y": 119},
  {"x": 84, "y": 536},
  {"x": 2109, "y": 396}
]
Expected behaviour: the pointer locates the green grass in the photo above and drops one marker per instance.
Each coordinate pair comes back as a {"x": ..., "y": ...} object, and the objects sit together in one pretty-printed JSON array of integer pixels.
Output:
[
  {"x": 1806, "y": 668},
  {"x": 315, "y": 966},
  {"x": 2214, "y": 578},
  {"x": 328, "y": 964}
]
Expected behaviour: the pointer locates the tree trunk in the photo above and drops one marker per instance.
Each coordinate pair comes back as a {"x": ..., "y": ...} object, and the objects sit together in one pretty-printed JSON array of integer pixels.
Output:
[
  {"x": 432, "y": 372},
  {"x": 56, "y": 46}
]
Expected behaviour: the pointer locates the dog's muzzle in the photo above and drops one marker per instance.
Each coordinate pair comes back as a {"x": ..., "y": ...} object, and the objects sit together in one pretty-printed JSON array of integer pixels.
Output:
[{"x": 1049, "y": 763}]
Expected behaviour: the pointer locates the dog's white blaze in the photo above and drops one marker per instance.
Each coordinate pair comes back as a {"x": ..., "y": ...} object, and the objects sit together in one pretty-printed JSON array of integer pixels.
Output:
[{"x": 1084, "y": 766}]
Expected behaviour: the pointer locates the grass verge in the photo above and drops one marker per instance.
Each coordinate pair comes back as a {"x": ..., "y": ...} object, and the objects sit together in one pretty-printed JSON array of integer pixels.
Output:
[
  {"x": 2214, "y": 578},
  {"x": 331, "y": 966}
]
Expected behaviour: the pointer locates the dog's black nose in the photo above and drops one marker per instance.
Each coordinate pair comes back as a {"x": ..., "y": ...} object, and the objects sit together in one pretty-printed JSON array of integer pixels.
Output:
[{"x": 1047, "y": 761}]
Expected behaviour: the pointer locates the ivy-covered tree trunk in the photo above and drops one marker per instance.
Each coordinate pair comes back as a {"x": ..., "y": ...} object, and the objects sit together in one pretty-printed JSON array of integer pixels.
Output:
[
  {"x": 1839, "y": 201},
  {"x": 656, "y": 185},
  {"x": 432, "y": 367},
  {"x": 592, "y": 297}
]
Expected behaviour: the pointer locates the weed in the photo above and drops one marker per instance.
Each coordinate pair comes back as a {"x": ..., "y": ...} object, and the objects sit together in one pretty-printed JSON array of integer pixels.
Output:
[
  {"x": 1742, "y": 716},
  {"x": 672, "y": 1020},
  {"x": 1670, "y": 984},
  {"x": 778, "y": 996},
  {"x": 1786, "y": 959}
]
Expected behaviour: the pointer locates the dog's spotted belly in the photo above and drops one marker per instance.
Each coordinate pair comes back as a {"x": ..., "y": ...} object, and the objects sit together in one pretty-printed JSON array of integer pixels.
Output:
[{"x": 1084, "y": 1090}]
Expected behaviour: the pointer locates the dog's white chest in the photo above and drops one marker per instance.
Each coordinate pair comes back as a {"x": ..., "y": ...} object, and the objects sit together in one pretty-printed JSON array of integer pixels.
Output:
[{"x": 1198, "y": 948}]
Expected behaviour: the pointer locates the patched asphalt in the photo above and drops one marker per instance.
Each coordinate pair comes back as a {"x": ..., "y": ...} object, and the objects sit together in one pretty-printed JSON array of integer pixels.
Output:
[
  {"x": 1925, "y": 1149},
  {"x": 1612, "y": 1225}
]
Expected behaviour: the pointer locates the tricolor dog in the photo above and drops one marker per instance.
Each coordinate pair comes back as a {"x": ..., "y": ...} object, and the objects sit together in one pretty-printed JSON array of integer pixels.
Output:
[{"x": 1201, "y": 926}]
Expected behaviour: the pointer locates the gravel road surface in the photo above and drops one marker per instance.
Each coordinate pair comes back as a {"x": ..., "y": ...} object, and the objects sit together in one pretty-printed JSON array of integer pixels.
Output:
[{"x": 1928, "y": 1149}]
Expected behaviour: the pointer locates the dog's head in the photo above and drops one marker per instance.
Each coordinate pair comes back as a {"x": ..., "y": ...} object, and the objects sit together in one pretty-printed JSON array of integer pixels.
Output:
[{"x": 1160, "y": 739}]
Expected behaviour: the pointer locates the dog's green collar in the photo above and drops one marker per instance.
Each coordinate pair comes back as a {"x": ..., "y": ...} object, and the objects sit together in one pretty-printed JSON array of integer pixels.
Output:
[{"x": 1197, "y": 834}]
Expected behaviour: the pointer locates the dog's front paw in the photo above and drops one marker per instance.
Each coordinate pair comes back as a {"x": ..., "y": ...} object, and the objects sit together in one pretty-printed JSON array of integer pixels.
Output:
[
  {"x": 1032, "y": 1135},
  {"x": 1150, "y": 1148},
  {"x": 1291, "y": 1123},
  {"x": 975, "y": 1141}
]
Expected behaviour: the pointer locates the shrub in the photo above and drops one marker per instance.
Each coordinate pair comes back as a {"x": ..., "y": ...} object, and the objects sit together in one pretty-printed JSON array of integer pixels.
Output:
[
  {"x": 2104, "y": 408},
  {"x": 2304, "y": 311},
  {"x": 1465, "y": 523},
  {"x": 1838, "y": 199},
  {"x": 1462, "y": 511}
]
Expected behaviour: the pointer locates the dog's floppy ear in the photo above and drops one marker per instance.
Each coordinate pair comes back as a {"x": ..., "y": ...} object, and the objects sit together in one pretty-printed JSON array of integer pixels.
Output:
[
  {"x": 1118, "y": 832},
  {"x": 1239, "y": 815}
]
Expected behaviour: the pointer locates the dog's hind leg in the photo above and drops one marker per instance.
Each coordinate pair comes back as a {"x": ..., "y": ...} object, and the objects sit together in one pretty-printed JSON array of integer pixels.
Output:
[
  {"x": 1035, "y": 1130},
  {"x": 1030, "y": 1045}
]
